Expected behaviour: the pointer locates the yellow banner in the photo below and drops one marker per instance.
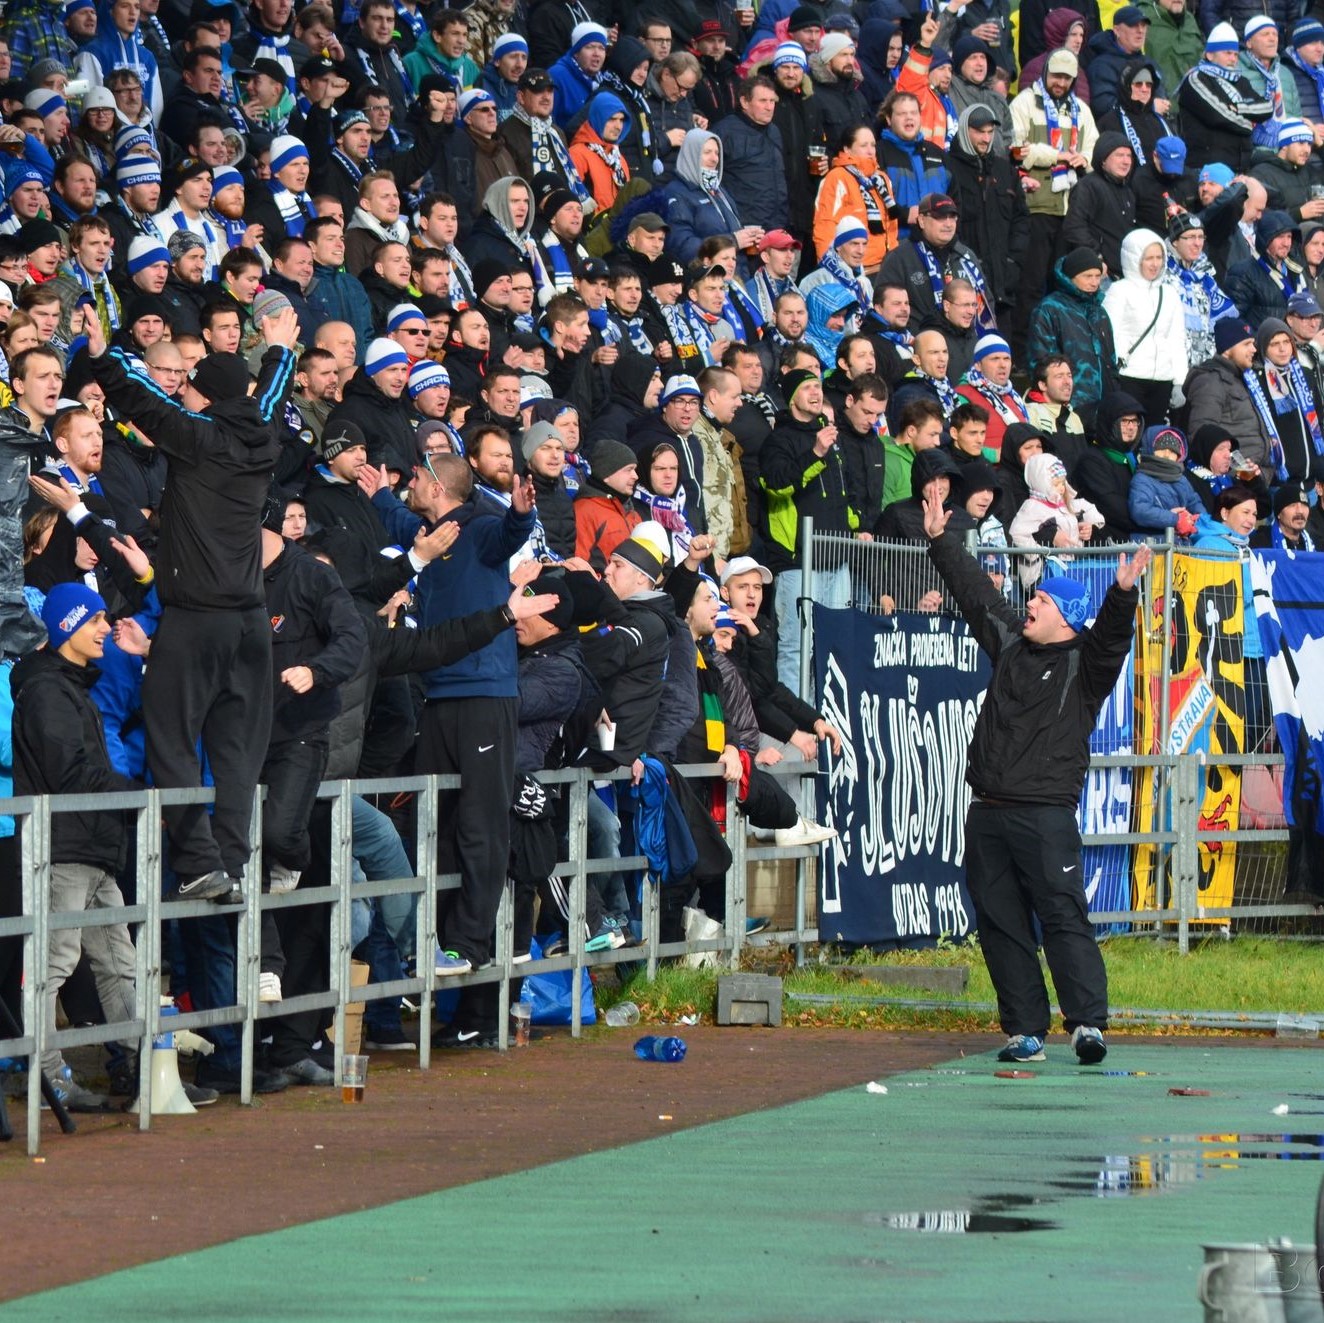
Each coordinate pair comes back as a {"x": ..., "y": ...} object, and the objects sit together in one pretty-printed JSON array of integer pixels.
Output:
[{"x": 1207, "y": 707}]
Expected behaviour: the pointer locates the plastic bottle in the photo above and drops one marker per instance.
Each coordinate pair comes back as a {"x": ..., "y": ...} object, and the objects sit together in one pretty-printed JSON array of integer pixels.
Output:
[
  {"x": 623, "y": 1015},
  {"x": 655, "y": 1048}
]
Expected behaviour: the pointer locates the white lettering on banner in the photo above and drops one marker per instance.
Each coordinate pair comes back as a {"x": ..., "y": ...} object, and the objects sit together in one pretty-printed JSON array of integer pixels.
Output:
[
  {"x": 910, "y": 910},
  {"x": 843, "y": 774},
  {"x": 897, "y": 793}
]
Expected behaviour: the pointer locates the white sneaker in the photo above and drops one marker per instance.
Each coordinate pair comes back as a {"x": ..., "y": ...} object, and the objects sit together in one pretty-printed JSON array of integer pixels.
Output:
[
  {"x": 804, "y": 833},
  {"x": 268, "y": 987},
  {"x": 283, "y": 880}
]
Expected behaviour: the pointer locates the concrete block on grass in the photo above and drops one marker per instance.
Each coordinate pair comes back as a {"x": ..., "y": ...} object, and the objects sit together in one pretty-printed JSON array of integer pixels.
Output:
[{"x": 749, "y": 999}]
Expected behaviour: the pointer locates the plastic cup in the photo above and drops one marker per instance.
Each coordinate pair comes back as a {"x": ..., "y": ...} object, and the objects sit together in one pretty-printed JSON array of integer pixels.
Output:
[
  {"x": 353, "y": 1079},
  {"x": 607, "y": 736},
  {"x": 521, "y": 1023}
]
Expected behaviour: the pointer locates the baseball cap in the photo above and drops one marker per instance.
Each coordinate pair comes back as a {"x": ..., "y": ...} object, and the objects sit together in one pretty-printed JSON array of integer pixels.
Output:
[
  {"x": 1129, "y": 16},
  {"x": 743, "y": 565},
  {"x": 1303, "y": 304},
  {"x": 780, "y": 240},
  {"x": 938, "y": 205}
]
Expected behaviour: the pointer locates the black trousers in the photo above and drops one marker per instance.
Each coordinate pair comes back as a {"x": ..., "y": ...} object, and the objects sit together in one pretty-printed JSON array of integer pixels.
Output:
[
  {"x": 1040, "y": 254},
  {"x": 11, "y": 906},
  {"x": 474, "y": 737},
  {"x": 1154, "y": 396},
  {"x": 1023, "y": 864},
  {"x": 210, "y": 679}
]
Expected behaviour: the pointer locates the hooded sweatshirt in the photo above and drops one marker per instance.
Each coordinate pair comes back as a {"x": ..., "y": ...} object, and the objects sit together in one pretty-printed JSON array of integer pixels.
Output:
[
  {"x": 602, "y": 165},
  {"x": 698, "y": 206},
  {"x": 1103, "y": 206}
]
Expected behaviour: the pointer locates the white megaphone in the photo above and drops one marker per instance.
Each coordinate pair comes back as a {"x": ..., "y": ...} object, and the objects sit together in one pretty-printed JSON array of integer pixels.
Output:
[{"x": 168, "y": 1096}]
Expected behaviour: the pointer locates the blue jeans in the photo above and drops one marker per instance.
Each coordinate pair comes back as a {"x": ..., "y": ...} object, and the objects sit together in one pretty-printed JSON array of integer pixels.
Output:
[
  {"x": 379, "y": 853},
  {"x": 604, "y": 842},
  {"x": 831, "y": 588}
]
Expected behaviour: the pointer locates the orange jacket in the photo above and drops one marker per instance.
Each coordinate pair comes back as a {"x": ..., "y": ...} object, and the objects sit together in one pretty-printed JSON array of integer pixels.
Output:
[
  {"x": 594, "y": 171},
  {"x": 602, "y": 523},
  {"x": 914, "y": 78},
  {"x": 840, "y": 195}
]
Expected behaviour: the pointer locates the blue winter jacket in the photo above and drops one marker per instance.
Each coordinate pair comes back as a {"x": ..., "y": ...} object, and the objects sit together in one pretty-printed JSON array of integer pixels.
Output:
[
  {"x": 573, "y": 89},
  {"x": 473, "y": 576},
  {"x": 336, "y": 296}
]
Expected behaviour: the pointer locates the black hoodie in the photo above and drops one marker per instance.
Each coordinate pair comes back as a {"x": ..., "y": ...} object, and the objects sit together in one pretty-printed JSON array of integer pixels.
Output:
[
  {"x": 903, "y": 521},
  {"x": 1105, "y": 469},
  {"x": 630, "y": 378},
  {"x": 220, "y": 464},
  {"x": 1103, "y": 208},
  {"x": 1013, "y": 489}
]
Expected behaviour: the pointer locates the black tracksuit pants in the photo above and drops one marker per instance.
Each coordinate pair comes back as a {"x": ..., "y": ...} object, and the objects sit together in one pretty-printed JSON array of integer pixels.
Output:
[
  {"x": 209, "y": 679},
  {"x": 1023, "y": 863},
  {"x": 474, "y": 737}
]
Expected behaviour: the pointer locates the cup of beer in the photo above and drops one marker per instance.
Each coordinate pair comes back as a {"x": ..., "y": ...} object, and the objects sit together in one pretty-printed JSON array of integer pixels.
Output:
[
  {"x": 353, "y": 1079},
  {"x": 818, "y": 161},
  {"x": 521, "y": 1024}
]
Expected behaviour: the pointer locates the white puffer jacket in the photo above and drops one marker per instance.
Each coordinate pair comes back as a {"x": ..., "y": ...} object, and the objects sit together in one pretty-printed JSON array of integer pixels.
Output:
[{"x": 1131, "y": 304}]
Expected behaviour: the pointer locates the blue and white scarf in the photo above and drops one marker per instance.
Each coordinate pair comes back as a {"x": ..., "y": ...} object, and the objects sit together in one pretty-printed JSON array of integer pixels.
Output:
[
  {"x": 947, "y": 395},
  {"x": 370, "y": 72},
  {"x": 146, "y": 223},
  {"x": 549, "y": 153},
  {"x": 765, "y": 290},
  {"x": 276, "y": 48},
  {"x": 966, "y": 270},
  {"x": 99, "y": 287},
  {"x": 296, "y": 209},
  {"x": 354, "y": 172},
  {"x": 854, "y": 280},
  {"x": 415, "y": 21},
  {"x": 633, "y": 96},
  {"x": 1280, "y": 541},
  {"x": 1203, "y": 303},
  {"x": 1006, "y": 400},
  {"x": 741, "y": 310},
  {"x": 1134, "y": 138},
  {"x": 1268, "y": 421},
  {"x": 1266, "y": 132},
  {"x": 93, "y": 483}
]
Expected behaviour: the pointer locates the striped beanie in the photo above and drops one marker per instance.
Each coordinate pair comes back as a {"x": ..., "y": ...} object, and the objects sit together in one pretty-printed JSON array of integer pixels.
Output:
[
  {"x": 402, "y": 313},
  {"x": 44, "y": 101},
  {"x": 1222, "y": 37},
  {"x": 382, "y": 354},
  {"x": 990, "y": 344},
  {"x": 848, "y": 228},
  {"x": 133, "y": 170},
  {"x": 225, "y": 176},
  {"x": 511, "y": 43},
  {"x": 145, "y": 251},
  {"x": 790, "y": 52},
  {"x": 285, "y": 150},
  {"x": 424, "y": 375}
]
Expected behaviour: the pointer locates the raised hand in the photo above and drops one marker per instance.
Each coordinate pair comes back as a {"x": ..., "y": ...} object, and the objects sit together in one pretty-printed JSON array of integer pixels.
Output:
[
  {"x": 1129, "y": 571},
  {"x": 935, "y": 517}
]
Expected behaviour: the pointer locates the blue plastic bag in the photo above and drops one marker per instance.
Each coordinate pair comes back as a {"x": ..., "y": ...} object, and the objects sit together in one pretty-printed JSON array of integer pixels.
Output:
[{"x": 549, "y": 994}]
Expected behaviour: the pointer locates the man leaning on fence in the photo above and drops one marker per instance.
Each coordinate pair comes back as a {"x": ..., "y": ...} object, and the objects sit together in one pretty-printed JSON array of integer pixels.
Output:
[{"x": 1027, "y": 764}]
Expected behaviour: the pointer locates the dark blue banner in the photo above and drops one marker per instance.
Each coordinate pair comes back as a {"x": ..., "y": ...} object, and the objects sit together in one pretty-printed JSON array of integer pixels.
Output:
[{"x": 904, "y": 691}]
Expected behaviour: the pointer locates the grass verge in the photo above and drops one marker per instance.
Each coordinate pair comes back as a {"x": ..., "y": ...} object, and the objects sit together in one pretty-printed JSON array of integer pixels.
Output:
[{"x": 1243, "y": 975}]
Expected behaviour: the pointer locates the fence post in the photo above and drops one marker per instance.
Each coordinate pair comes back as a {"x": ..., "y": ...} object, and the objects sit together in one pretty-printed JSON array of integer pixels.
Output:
[
  {"x": 147, "y": 965},
  {"x": 577, "y": 839},
  {"x": 425, "y": 935},
  {"x": 1162, "y": 788},
  {"x": 505, "y": 927},
  {"x": 737, "y": 877},
  {"x": 804, "y": 608},
  {"x": 1186, "y": 851},
  {"x": 37, "y": 895},
  {"x": 248, "y": 950},
  {"x": 342, "y": 878}
]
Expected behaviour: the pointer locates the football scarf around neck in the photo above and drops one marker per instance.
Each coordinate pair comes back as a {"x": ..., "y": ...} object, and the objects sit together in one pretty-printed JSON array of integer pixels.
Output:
[
  {"x": 1061, "y": 173},
  {"x": 1267, "y": 420},
  {"x": 1006, "y": 400}
]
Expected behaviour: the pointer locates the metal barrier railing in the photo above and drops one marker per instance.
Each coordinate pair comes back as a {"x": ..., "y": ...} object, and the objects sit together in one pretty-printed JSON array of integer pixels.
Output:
[{"x": 33, "y": 818}]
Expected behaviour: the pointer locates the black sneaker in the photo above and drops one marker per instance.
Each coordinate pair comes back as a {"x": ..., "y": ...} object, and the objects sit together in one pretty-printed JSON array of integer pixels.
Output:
[
  {"x": 388, "y": 1040},
  {"x": 208, "y": 886},
  {"x": 226, "y": 1080},
  {"x": 232, "y": 895},
  {"x": 450, "y": 1037}
]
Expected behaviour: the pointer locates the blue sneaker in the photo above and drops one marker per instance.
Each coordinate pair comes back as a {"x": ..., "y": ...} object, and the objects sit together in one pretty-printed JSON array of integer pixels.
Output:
[
  {"x": 757, "y": 923},
  {"x": 1089, "y": 1045},
  {"x": 450, "y": 964},
  {"x": 1023, "y": 1047},
  {"x": 608, "y": 936}
]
